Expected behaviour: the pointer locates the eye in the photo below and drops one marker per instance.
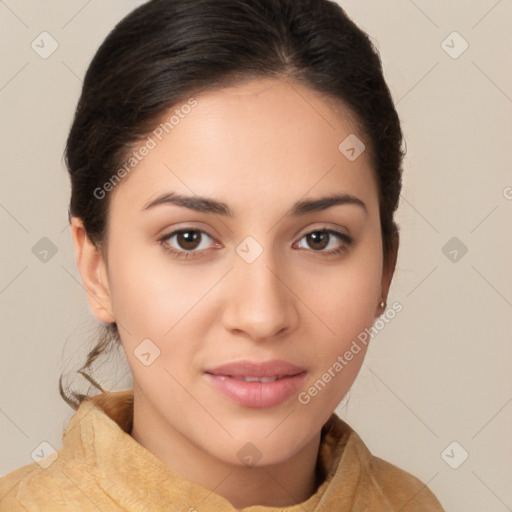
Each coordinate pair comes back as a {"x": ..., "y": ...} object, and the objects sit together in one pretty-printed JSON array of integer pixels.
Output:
[
  {"x": 186, "y": 242},
  {"x": 322, "y": 239},
  {"x": 190, "y": 242}
]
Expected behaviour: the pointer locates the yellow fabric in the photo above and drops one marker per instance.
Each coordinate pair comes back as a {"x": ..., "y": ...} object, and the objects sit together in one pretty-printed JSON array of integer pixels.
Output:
[{"x": 101, "y": 467}]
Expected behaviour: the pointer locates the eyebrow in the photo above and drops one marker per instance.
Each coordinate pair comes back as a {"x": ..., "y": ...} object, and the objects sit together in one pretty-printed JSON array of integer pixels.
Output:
[{"x": 204, "y": 204}]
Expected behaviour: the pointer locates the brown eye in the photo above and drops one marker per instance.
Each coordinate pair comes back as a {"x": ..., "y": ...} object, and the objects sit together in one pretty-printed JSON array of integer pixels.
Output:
[
  {"x": 318, "y": 240},
  {"x": 322, "y": 239},
  {"x": 188, "y": 240}
]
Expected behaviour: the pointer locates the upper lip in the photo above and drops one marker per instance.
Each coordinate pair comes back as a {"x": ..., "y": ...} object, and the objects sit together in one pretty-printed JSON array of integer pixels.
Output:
[{"x": 273, "y": 368}]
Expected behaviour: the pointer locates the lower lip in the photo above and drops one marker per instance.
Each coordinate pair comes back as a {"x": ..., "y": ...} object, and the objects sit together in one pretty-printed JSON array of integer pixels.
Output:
[{"x": 257, "y": 394}]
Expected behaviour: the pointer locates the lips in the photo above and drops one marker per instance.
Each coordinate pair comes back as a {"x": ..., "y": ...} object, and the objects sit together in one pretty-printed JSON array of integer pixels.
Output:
[
  {"x": 275, "y": 368},
  {"x": 257, "y": 385}
]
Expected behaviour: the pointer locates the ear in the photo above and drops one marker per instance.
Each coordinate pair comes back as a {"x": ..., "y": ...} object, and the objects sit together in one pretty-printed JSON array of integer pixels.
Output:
[
  {"x": 92, "y": 268},
  {"x": 388, "y": 271}
]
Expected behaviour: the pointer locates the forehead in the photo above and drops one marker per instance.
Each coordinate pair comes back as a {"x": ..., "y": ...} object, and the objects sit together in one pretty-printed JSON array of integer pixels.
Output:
[{"x": 262, "y": 139}]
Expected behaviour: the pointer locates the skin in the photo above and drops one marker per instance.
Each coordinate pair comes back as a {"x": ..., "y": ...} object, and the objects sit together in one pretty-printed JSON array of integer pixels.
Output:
[{"x": 259, "y": 147}]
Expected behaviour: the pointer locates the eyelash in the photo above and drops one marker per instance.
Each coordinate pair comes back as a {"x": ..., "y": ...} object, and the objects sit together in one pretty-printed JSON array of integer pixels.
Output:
[{"x": 347, "y": 241}]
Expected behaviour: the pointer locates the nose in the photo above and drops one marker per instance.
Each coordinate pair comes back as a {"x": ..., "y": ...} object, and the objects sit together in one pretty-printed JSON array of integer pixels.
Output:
[{"x": 260, "y": 303}]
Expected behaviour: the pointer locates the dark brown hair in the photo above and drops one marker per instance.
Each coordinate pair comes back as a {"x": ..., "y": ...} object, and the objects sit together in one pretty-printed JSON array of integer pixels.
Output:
[{"x": 167, "y": 50}]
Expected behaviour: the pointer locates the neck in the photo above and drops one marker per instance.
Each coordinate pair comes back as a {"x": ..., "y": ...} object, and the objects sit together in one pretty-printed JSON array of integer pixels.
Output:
[{"x": 279, "y": 485}]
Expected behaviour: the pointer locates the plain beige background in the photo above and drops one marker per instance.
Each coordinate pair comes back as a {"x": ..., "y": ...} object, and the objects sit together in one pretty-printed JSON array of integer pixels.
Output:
[{"x": 438, "y": 373}]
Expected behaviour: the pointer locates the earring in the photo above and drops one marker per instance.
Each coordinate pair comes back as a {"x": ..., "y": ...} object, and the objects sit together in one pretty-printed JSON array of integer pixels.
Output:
[{"x": 382, "y": 304}]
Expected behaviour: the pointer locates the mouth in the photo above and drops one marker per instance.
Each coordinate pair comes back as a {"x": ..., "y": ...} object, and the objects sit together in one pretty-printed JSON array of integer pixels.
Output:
[
  {"x": 257, "y": 385},
  {"x": 273, "y": 369}
]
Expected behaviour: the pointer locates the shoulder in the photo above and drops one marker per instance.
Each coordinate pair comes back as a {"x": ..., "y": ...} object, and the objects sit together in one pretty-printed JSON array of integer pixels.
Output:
[
  {"x": 62, "y": 485},
  {"x": 68, "y": 478},
  {"x": 8, "y": 488},
  {"x": 391, "y": 484},
  {"x": 31, "y": 488},
  {"x": 376, "y": 484},
  {"x": 402, "y": 489}
]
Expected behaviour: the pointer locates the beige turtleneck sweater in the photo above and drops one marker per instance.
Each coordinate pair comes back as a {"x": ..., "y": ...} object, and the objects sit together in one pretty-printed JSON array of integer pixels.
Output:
[{"x": 100, "y": 467}]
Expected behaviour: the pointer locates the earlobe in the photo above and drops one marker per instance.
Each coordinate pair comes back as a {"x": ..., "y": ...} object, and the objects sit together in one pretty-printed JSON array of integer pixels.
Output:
[
  {"x": 387, "y": 273},
  {"x": 92, "y": 268}
]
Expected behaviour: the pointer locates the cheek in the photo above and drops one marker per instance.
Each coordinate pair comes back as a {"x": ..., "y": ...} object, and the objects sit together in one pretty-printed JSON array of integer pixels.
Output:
[
  {"x": 156, "y": 299},
  {"x": 341, "y": 343},
  {"x": 344, "y": 299},
  {"x": 346, "y": 296},
  {"x": 149, "y": 294},
  {"x": 150, "y": 301}
]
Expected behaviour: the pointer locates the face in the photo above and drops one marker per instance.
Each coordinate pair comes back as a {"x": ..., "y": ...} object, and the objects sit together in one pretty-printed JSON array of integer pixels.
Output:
[{"x": 259, "y": 271}]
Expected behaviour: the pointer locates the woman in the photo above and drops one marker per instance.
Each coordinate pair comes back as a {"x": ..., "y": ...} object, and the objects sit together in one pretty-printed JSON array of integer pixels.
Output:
[{"x": 235, "y": 168}]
